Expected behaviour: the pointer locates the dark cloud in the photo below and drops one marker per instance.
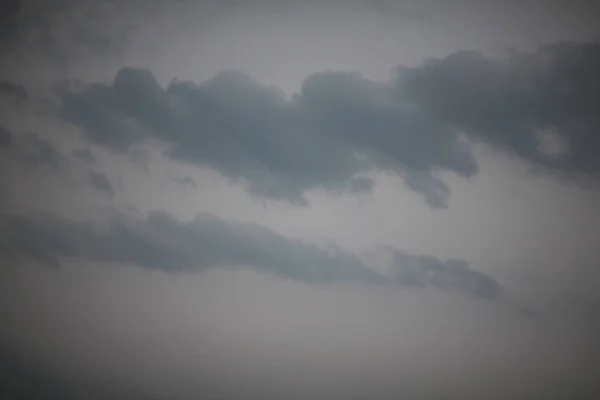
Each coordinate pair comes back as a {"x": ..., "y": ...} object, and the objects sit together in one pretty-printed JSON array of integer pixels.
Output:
[
  {"x": 23, "y": 153},
  {"x": 186, "y": 181},
  {"x": 341, "y": 124},
  {"x": 32, "y": 27},
  {"x": 338, "y": 126},
  {"x": 405, "y": 10},
  {"x": 36, "y": 151},
  {"x": 101, "y": 182},
  {"x": 95, "y": 109},
  {"x": 83, "y": 155},
  {"x": 435, "y": 192},
  {"x": 506, "y": 101},
  {"x": 60, "y": 31},
  {"x": 22, "y": 377},
  {"x": 9, "y": 13},
  {"x": 6, "y": 139},
  {"x": 160, "y": 241},
  {"x": 141, "y": 158},
  {"x": 450, "y": 275},
  {"x": 15, "y": 91}
]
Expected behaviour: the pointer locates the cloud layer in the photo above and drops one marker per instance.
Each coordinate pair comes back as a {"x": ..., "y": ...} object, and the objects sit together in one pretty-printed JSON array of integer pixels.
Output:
[
  {"x": 14, "y": 91},
  {"x": 161, "y": 242},
  {"x": 33, "y": 150},
  {"x": 341, "y": 125},
  {"x": 507, "y": 101},
  {"x": 451, "y": 275},
  {"x": 6, "y": 139},
  {"x": 101, "y": 182}
]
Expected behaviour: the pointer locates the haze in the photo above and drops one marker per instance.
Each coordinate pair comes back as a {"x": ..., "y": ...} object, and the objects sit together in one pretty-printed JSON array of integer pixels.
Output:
[{"x": 299, "y": 199}]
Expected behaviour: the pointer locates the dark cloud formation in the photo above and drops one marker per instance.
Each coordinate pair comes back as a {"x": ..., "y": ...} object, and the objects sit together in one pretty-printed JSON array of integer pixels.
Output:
[
  {"x": 186, "y": 180},
  {"x": 101, "y": 182},
  {"x": 33, "y": 26},
  {"x": 341, "y": 124},
  {"x": 15, "y": 91},
  {"x": 23, "y": 153},
  {"x": 83, "y": 155},
  {"x": 141, "y": 158},
  {"x": 507, "y": 101},
  {"x": 161, "y": 242},
  {"x": 6, "y": 139},
  {"x": 338, "y": 126},
  {"x": 6, "y": 144},
  {"x": 36, "y": 152},
  {"x": 61, "y": 31},
  {"x": 450, "y": 275},
  {"x": 23, "y": 378},
  {"x": 9, "y": 12}
]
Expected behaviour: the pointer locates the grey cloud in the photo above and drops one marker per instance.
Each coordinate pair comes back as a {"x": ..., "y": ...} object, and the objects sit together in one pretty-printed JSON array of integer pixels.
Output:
[
  {"x": 141, "y": 158},
  {"x": 27, "y": 378},
  {"x": 98, "y": 42},
  {"x": 341, "y": 124},
  {"x": 62, "y": 30},
  {"x": 6, "y": 139},
  {"x": 103, "y": 125},
  {"x": 22, "y": 153},
  {"x": 435, "y": 192},
  {"x": 406, "y": 10},
  {"x": 9, "y": 12},
  {"x": 160, "y": 241},
  {"x": 338, "y": 126},
  {"x": 32, "y": 26},
  {"x": 450, "y": 275},
  {"x": 101, "y": 182},
  {"x": 37, "y": 151},
  {"x": 83, "y": 155},
  {"x": 186, "y": 181},
  {"x": 505, "y": 101},
  {"x": 37, "y": 240},
  {"x": 17, "y": 92}
]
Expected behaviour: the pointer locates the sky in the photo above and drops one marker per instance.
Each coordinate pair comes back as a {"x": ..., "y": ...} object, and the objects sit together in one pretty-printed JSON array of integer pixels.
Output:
[{"x": 358, "y": 199}]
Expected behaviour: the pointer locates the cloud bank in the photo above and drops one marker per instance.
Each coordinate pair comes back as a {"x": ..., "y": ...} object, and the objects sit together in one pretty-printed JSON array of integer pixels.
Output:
[
  {"x": 14, "y": 91},
  {"x": 101, "y": 182},
  {"x": 160, "y": 241},
  {"x": 507, "y": 101},
  {"x": 339, "y": 126},
  {"x": 342, "y": 125}
]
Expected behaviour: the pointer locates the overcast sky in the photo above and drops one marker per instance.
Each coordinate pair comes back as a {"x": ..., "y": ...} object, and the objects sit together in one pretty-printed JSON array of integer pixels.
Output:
[{"x": 303, "y": 199}]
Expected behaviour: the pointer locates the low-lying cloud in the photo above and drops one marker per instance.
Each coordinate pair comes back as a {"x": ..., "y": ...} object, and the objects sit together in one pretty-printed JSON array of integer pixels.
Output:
[
  {"x": 37, "y": 151},
  {"x": 450, "y": 275},
  {"x": 84, "y": 155},
  {"x": 507, "y": 101},
  {"x": 14, "y": 91},
  {"x": 160, "y": 241},
  {"x": 6, "y": 139},
  {"x": 101, "y": 182},
  {"x": 341, "y": 125}
]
